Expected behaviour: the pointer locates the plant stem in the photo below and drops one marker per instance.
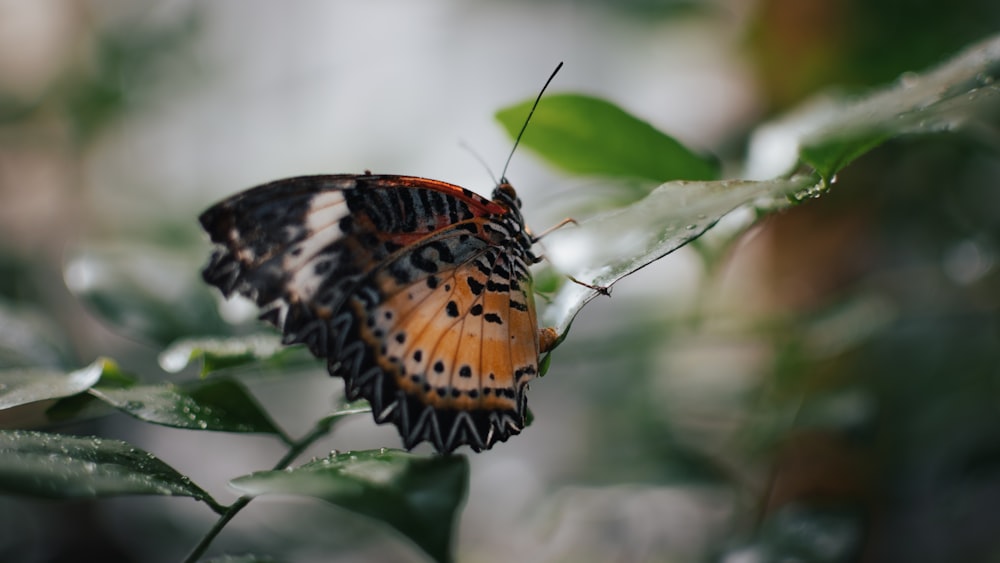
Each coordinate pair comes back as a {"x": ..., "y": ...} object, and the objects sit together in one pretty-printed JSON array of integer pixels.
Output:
[
  {"x": 293, "y": 452},
  {"x": 228, "y": 515}
]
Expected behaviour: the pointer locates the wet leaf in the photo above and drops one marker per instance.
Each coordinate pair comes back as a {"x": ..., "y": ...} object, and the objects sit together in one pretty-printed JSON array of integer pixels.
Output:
[
  {"x": 22, "y": 386},
  {"x": 830, "y": 132},
  {"x": 219, "y": 404},
  {"x": 73, "y": 467},
  {"x": 606, "y": 248},
  {"x": 85, "y": 405},
  {"x": 343, "y": 411},
  {"x": 229, "y": 352},
  {"x": 417, "y": 496}
]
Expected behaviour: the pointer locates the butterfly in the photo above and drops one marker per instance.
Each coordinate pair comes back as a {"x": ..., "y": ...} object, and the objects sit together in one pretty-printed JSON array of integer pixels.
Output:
[{"x": 417, "y": 293}]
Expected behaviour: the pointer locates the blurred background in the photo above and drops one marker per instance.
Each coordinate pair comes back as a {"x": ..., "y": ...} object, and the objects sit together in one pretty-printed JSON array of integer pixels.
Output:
[{"x": 826, "y": 389}]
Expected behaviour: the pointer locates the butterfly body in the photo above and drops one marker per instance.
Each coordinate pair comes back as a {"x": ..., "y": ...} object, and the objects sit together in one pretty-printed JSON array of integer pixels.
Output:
[{"x": 416, "y": 292}]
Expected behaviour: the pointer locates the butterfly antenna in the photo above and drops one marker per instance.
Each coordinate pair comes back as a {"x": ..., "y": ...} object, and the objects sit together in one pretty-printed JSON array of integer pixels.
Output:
[
  {"x": 503, "y": 175},
  {"x": 479, "y": 158}
]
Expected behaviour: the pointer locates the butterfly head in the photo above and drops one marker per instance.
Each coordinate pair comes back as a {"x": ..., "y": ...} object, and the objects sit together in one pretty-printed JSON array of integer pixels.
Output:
[{"x": 505, "y": 195}]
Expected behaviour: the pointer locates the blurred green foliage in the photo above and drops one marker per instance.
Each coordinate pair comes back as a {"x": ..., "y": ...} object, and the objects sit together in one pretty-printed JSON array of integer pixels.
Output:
[{"x": 852, "y": 414}]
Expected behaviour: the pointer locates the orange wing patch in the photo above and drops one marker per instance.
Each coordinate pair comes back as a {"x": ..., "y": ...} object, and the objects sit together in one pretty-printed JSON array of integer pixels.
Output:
[{"x": 460, "y": 344}]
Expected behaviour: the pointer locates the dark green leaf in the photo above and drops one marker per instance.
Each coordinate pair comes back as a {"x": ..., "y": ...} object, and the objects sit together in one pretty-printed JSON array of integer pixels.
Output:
[
  {"x": 23, "y": 386},
  {"x": 85, "y": 405},
  {"x": 344, "y": 411},
  {"x": 72, "y": 467},
  {"x": 417, "y": 496},
  {"x": 221, "y": 353},
  {"x": 586, "y": 135},
  {"x": 831, "y": 156},
  {"x": 219, "y": 404}
]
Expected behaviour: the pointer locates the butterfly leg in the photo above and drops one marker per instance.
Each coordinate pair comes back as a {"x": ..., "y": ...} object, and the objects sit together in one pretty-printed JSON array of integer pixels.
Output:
[
  {"x": 602, "y": 289},
  {"x": 557, "y": 226}
]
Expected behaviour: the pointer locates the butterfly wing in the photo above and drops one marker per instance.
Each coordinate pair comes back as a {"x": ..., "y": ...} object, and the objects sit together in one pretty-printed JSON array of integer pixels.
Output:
[
  {"x": 456, "y": 347},
  {"x": 399, "y": 283}
]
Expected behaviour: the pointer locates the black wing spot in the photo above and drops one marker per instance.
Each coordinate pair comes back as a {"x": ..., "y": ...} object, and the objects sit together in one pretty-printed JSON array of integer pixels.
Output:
[
  {"x": 493, "y": 318},
  {"x": 452, "y": 309},
  {"x": 474, "y": 285},
  {"x": 466, "y": 371},
  {"x": 497, "y": 287},
  {"x": 439, "y": 366}
]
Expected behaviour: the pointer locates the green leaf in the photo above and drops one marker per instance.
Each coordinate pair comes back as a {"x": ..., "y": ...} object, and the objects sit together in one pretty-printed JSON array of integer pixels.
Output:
[
  {"x": 343, "y": 411},
  {"x": 72, "y": 467},
  {"x": 607, "y": 247},
  {"x": 23, "y": 386},
  {"x": 585, "y": 135},
  {"x": 222, "y": 353},
  {"x": 85, "y": 405},
  {"x": 219, "y": 404},
  {"x": 830, "y": 132},
  {"x": 417, "y": 496}
]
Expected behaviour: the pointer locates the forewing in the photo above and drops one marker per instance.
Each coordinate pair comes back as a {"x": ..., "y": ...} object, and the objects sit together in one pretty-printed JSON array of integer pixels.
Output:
[{"x": 300, "y": 247}]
